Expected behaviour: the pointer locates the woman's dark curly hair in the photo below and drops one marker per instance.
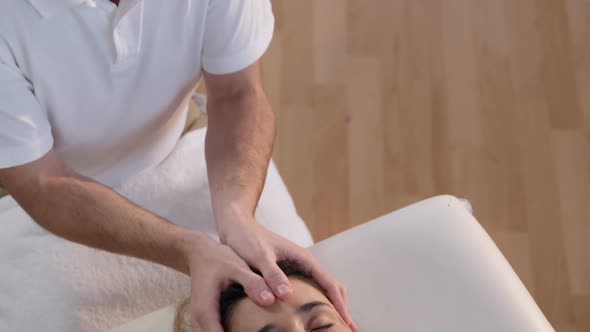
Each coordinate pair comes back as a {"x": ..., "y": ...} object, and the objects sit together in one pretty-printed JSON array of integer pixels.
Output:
[{"x": 233, "y": 294}]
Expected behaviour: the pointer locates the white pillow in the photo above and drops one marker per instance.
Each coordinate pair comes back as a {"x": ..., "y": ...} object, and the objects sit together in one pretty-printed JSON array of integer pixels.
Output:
[{"x": 427, "y": 267}]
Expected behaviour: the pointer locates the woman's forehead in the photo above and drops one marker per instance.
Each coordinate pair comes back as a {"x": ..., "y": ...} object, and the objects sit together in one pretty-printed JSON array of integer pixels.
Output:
[
  {"x": 303, "y": 292},
  {"x": 248, "y": 316}
]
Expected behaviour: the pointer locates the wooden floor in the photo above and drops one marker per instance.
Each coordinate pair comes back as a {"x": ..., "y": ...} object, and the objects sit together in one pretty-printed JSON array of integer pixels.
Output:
[{"x": 382, "y": 103}]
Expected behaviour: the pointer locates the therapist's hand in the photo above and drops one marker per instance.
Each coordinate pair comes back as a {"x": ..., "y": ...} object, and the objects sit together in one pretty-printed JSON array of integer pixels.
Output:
[
  {"x": 261, "y": 249},
  {"x": 213, "y": 267}
]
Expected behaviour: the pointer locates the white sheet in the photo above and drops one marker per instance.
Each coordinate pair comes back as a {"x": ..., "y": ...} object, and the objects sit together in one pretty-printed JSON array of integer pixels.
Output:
[{"x": 48, "y": 284}]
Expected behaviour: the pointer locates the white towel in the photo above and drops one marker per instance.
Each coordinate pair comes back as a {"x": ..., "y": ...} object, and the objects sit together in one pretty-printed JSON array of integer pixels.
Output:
[{"x": 49, "y": 284}]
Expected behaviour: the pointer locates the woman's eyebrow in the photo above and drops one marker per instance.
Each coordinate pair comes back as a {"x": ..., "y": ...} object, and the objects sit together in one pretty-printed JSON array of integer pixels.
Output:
[
  {"x": 304, "y": 308},
  {"x": 307, "y": 307}
]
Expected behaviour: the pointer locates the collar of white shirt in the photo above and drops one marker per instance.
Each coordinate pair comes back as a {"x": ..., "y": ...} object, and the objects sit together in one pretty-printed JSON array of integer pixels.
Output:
[
  {"x": 127, "y": 38},
  {"x": 50, "y": 7}
]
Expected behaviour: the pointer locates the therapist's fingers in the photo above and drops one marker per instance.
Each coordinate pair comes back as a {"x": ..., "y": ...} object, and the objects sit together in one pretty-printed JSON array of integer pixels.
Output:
[
  {"x": 204, "y": 314},
  {"x": 275, "y": 278},
  {"x": 335, "y": 290},
  {"x": 206, "y": 320},
  {"x": 344, "y": 292},
  {"x": 255, "y": 287}
]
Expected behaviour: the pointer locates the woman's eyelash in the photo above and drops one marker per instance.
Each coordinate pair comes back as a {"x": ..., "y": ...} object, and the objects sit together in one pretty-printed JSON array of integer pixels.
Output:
[{"x": 327, "y": 326}]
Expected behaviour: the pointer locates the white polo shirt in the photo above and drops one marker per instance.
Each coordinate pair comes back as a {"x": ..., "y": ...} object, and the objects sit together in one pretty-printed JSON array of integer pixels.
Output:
[{"x": 107, "y": 86}]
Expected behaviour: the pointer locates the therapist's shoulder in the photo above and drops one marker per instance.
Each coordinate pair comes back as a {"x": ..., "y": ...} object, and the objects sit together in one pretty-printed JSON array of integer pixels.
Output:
[
  {"x": 17, "y": 10},
  {"x": 18, "y": 19},
  {"x": 16, "y": 16}
]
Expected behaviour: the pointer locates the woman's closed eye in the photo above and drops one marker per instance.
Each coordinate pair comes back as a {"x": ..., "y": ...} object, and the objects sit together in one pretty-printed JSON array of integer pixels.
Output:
[
  {"x": 323, "y": 327},
  {"x": 322, "y": 318}
]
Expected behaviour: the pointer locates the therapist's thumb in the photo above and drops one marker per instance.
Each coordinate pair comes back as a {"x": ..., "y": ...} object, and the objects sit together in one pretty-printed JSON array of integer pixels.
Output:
[
  {"x": 256, "y": 288},
  {"x": 276, "y": 279},
  {"x": 205, "y": 321},
  {"x": 204, "y": 311}
]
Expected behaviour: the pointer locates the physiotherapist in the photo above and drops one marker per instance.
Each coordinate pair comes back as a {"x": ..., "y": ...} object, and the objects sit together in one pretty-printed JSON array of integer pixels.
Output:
[{"x": 94, "y": 91}]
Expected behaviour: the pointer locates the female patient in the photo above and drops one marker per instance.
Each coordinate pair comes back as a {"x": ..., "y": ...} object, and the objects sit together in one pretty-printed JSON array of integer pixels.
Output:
[{"x": 307, "y": 310}]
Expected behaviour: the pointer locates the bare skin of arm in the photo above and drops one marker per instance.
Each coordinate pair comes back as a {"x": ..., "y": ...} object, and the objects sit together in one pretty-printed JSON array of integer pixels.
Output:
[
  {"x": 238, "y": 149},
  {"x": 84, "y": 211},
  {"x": 81, "y": 210},
  {"x": 239, "y": 142}
]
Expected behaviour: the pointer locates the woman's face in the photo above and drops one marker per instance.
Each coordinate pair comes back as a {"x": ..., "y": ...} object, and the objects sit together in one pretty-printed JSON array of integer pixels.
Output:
[{"x": 306, "y": 310}]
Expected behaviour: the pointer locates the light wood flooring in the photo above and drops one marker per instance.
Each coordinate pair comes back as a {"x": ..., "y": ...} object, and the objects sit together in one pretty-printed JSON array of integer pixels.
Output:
[{"x": 382, "y": 103}]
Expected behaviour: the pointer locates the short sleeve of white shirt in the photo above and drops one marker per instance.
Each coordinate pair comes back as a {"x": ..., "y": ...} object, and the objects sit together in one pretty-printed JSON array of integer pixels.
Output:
[
  {"x": 25, "y": 132},
  {"x": 237, "y": 33}
]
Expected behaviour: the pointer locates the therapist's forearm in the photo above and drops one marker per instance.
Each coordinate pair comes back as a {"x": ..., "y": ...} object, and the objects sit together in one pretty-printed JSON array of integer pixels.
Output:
[
  {"x": 84, "y": 211},
  {"x": 238, "y": 148}
]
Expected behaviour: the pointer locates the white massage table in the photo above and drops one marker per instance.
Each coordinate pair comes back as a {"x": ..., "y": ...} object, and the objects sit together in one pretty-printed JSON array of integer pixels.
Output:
[{"x": 427, "y": 267}]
